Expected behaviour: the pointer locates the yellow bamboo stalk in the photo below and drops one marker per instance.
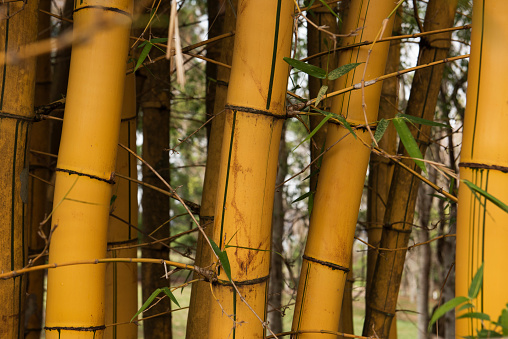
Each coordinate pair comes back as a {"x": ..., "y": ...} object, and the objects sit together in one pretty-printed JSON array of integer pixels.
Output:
[
  {"x": 38, "y": 204},
  {"x": 245, "y": 192},
  {"x": 122, "y": 278},
  {"x": 85, "y": 171},
  {"x": 18, "y": 27},
  {"x": 481, "y": 226},
  {"x": 333, "y": 221},
  {"x": 381, "y": 168},
  {"x": 201, "y": 299},
  {"x": 398, "y": 218}
]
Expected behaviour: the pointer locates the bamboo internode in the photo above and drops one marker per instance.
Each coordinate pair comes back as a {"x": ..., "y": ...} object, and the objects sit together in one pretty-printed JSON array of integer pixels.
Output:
[
  {"x": 86, "y": 162},
  {"x": 482, "y": 230}
]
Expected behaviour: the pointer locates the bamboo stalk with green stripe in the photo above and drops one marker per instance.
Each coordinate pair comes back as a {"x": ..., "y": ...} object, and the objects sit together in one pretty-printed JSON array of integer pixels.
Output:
[
  {"x": 482, "y": 230},
  {"x": 333, "y": 221},
  {"x": 18, "y": 27},
  {"x": 122, "y": 278},
  {"x": 201, "y": 299},
  {"x": 243, "y": 213},
  {"x": 85, "y": 169}
]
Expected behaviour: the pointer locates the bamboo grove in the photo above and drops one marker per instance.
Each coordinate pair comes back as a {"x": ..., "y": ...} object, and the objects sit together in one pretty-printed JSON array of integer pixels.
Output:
[{"x": 253, "y": 169}]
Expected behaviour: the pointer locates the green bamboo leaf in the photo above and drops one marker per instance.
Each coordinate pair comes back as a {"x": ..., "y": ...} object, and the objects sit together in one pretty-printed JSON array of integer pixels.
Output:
[
  {"x": 448, "y": 306},
  {"x": 311, "y": 70},
  {"x": 147, "y": 303},
  {"x": 503, "y": 320},
  {"x": 487, "y": 195},
  {"x": 382, "y": 125},
  {"x": 484, "y": 333},
  {"x": 476, "y": 284},
  {"x": 306, "y": 195},
  {"x": 421, "y": 121},
  {"x": 339, "y": 118},
  {"x": 311, "y": 203},
  {"x": 465, "y": 306},
  {"x": 168, "y": 292},
  {"x": 325, "y": 119},
  {"x": 320, "y": 94},
  {"x": 143, "y": 55},
  {"x": 223, "y": 256},
  {"x": 158, "y": 40},
  {"x": 409, "y": 142},
  {"x": 342, "y": 70},
  {"x": 330, "y": 9},
  {"x": 475, "y": 315}
]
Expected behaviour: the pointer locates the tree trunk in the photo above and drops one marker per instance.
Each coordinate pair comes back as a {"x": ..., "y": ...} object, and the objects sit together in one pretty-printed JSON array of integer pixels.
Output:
[
  {"x": 481, "y": 226},
  {"x": 18, "y": 27},
  {"x": 85, "y": 170},
  {"x": 38, "y": 205},
  {"x": 399, "y": 213},
  {"x": 276, "y": 285},
  {"x": 255, "y": 106},
  {"x": 341, "y": 180}
]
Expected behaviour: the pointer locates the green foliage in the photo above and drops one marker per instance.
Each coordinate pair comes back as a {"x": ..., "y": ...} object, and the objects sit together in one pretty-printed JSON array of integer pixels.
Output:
[
  {"x": 478, "y": 191},
  {"x": 500, "y": 328},
  {"x": 409, "y": 142},
  {"x": 152, "y": 297},
  {"x": 223, "y": 257}
]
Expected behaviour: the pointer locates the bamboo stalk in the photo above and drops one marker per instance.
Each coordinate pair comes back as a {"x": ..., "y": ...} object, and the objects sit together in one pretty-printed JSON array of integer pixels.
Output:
[
  {"x": 18, "y": 26},
  {"x": 398, "y": 218},
  {"x": 85, "y": 169},
  {"x": 481, "y": 226},
  {"x": 333, "y": 220},
  {"x": 201, "y": 299},
  {"x": 244, "y": 205}
]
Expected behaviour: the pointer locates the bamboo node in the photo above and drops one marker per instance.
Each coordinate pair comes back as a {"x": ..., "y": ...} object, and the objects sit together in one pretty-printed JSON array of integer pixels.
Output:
[
  {"x": 326, "y": 263},
  {"x": 79, "y": 329},
  {"x": 111, "y": 9},
  {"x": 110, "y": 181},
  {"x": 255, "y": 111},
  {"x": 476, "y": 165}
]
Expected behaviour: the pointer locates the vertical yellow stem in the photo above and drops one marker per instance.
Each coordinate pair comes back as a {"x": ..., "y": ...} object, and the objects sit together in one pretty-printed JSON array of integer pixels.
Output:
[
  {"x": 481, "y": 226},
  {"x": 18, "y": 27},
  {"x": 85, "y": 169},
  {"x": 243, "y": 213},
  {"x": 341, "y": 180},
  {"x": 201, "y": 299},
  {"x": 122, "y": 278}
]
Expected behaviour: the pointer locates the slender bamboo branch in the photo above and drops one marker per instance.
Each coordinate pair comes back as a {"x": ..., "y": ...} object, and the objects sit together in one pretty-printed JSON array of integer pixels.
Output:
[
  {"x": 398, "y": 37},
  {"x": 404, "y": 248},
  {"x": 209, "y": 275}
]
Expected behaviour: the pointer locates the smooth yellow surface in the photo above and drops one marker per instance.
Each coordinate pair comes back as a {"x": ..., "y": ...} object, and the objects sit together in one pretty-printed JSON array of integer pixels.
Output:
[
  {"x": 342, "y": 177},
  {"x": 122, "y": 278},
  {"x": 89, "y": 143},
  {"x": 481, "y": 232},
  {"x": 246, "y": 221}
]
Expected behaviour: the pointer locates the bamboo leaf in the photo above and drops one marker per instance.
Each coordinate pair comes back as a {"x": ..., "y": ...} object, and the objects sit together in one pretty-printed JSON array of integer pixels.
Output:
[
  {"x": 448, "y": 306},
  {"x": 311, "y": 70},
  {"x": 409, "y": 142},
  {"x": 147, "y": 303},
  {"x": 465, "y": 306},
  {"x": 330, "y": 9},
  {"x": 321, "y": 92},
  {"x": 311, "y": 134},
  {"x": 340, "y": 118},
  {"x": 476, "y": 284},
  {"x": 342, "y": 70},
  {"x": 143, "y": 55},
  {"x": 223, "y": 256},
  {"x": 382, "y": 125},
  {"x": 303, "y": 196},
  {"x": 484, "y": 333},
  {"x": 421, "y": 121},
  {"x": 168, "y": 292},
  {"x": 487, "y": 195},
  {"x": 475, "y": 315},
  {"x": 503, "y": 320}
]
